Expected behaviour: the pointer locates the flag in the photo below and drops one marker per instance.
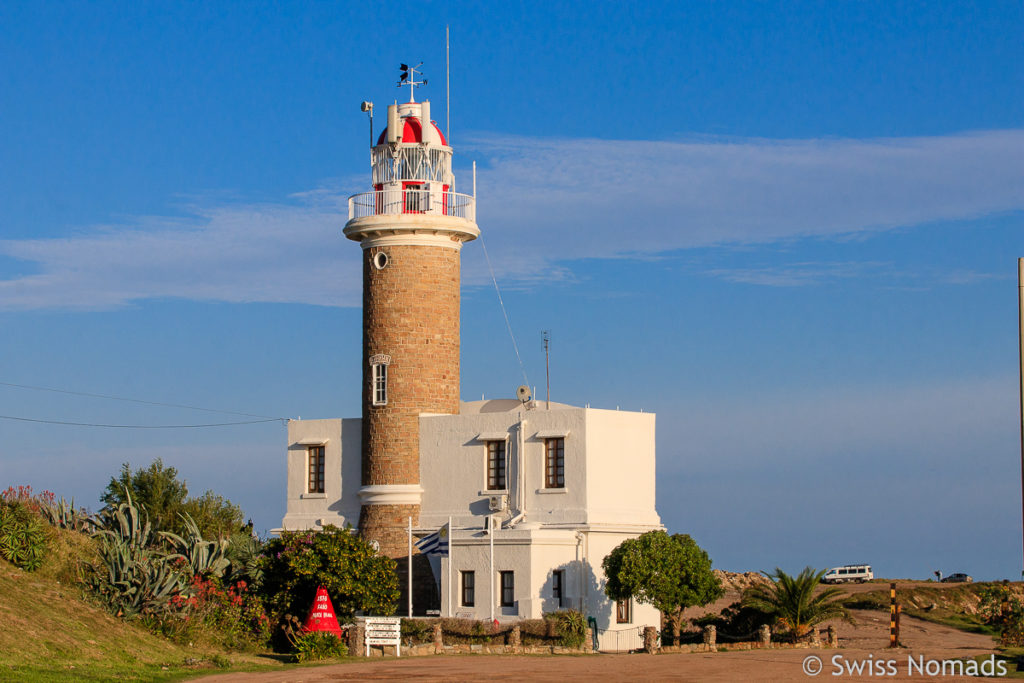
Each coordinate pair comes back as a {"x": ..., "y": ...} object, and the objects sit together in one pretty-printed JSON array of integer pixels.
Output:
[{"x": 435, "y": 543}]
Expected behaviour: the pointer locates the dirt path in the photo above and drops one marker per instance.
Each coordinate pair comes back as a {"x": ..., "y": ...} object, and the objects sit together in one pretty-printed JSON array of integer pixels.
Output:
[{"x": 865, "y": 642}]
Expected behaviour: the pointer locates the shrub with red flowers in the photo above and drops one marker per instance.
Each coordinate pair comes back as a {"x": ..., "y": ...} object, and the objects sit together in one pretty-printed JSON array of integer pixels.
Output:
[
  {"x": 229, "y": 614},
  {"x": 23, "y": 495}
]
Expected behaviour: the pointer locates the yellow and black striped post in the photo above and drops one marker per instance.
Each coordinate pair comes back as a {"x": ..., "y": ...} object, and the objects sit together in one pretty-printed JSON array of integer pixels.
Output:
[{"x": 894, "y": 637}]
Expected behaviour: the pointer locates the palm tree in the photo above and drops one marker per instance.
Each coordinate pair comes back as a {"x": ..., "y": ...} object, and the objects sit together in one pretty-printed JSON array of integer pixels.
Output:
[{"x": 794, "y": 602}]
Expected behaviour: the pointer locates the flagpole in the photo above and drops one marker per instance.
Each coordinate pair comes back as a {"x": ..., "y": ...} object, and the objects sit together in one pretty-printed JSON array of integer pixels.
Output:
[
  {"x": 490, "y": 524},
  {"x": 451, "y": 556},
  {"x": 410, "y": 567}
]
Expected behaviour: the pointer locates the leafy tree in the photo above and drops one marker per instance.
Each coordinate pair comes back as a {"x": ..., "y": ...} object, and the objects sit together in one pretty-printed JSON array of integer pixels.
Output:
[
  {"x": 795, "y": 602},
  {"x": 216, "y": 516},
  {"x": 164, "y": 496},
  {"x": 156, "y": 488},
  {"x": 669, "y": 572},
  {"x": 355, "y": 576}
]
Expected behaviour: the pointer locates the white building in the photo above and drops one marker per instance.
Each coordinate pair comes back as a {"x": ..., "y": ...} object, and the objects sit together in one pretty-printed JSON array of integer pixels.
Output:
[{"x": 537, "y": 496}]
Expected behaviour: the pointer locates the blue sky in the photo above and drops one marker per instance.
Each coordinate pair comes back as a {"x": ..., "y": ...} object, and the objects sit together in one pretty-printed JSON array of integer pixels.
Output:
[{"x": 789, "y": 229}]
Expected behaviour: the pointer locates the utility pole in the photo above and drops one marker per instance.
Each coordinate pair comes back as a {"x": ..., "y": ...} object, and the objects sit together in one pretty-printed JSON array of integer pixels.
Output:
[{"x": 1020, "y": 348}]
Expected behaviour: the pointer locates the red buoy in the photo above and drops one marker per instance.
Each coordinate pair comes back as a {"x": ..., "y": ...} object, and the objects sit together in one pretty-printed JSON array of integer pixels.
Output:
[{"x": 321, "y": 615}]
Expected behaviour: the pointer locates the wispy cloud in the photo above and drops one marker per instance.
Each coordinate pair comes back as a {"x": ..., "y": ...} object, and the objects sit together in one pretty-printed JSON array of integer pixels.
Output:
[
  {"x": 802, "y": 274},
  {"x": 600, "y": 198},
  {"x": 544, "y": 203},
  {"x": 797, "y": 274}
]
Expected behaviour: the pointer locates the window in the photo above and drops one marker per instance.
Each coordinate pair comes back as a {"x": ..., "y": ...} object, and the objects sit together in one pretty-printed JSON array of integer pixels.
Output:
[
  {"x": 315, "y": 457},
  {"x": 380, "y": 384},
  {"x": 468, "y": 586},
  {"x": 415, "y": 198},
  {"x": 558, "y": 586},
  {"x": 554, "y": 463},
  {"x": 623, "y": 612},
  {"x": 496, "y": 465},
  {"x": 508, "y": 589}
]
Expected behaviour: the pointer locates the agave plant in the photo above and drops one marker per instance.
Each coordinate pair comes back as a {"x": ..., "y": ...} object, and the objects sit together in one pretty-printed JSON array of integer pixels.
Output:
[
  {"x": 244, "y": 551},
  {"x": 204, "y": 558},
  {"x": 65, "y": 515},
  {"x": 133, "y": 577}
]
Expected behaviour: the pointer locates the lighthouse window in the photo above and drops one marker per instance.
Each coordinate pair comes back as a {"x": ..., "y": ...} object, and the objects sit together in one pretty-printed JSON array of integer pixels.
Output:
[
  {"x": 495, "y": 465},
  {"x": 380, "y": 260},
  {"x": 380, "y": 384}
]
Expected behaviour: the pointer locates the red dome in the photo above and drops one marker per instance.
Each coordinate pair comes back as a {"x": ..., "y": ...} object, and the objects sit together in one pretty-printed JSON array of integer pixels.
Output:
[{"x": 412, "y": 131}]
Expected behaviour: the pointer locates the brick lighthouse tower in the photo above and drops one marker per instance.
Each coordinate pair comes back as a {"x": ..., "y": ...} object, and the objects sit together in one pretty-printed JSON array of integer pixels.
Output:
[{"x": 411, "y": 228}]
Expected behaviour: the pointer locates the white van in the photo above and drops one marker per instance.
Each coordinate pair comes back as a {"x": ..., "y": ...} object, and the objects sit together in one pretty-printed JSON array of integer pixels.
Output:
[{"x": 847, "y": 573}]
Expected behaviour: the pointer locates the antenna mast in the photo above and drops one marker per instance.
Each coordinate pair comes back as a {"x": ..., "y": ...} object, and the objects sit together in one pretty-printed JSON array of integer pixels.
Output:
[
  {"x": 447, "y": 89},
  {"x": 546, "y": 336}
]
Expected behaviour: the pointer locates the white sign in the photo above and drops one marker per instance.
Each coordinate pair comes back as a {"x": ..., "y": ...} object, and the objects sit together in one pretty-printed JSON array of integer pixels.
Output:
[{"x": 383, "y": 631}]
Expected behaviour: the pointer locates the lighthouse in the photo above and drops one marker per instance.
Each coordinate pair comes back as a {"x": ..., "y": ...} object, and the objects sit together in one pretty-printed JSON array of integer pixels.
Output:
[
  {"x": 411, "y": 227},
  {"x": 531, "y": 496}
]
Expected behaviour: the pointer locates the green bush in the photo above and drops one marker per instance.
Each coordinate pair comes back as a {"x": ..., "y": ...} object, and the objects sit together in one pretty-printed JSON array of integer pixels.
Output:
[
  {"x": 318, "y": 645},
  {"x": 355, "y": 576},
  {"x": 1003, "y": 610},
  {"x": 23, "y": 535},
  {"x": 571, "y": 627},
  {"x": 418, "y": 630}
]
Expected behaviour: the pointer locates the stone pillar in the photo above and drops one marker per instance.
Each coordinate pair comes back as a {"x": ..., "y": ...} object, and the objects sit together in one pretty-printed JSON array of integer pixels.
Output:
[
  {"x": 515, "y": 640},
  {"x": 815, "y": 637},
  {"x": 438, "y": 639},
  {"x": 764, "y": 636},
  {"x": 710, "y": 638},
  {"x": 833, "y": 638},
  {"x": 650, "y": 640},
  {"x": 356, "y": 641}
]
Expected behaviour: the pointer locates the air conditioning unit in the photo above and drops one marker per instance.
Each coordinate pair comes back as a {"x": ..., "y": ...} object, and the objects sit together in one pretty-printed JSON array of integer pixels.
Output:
[
  {"x": 492, "y": 523},
  {"x": 498, "y": 503}
]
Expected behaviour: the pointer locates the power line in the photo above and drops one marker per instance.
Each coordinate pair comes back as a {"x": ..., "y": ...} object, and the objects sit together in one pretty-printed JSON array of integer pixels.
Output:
[
  {"x": 136, "y": 400},
  {"x": 110, "y": 426}
]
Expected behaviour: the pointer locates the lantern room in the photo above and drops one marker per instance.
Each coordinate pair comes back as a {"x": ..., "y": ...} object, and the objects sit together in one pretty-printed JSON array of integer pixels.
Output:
[
  {"x": 412, "y": 179},
  {"x": 412, "y": 162}
]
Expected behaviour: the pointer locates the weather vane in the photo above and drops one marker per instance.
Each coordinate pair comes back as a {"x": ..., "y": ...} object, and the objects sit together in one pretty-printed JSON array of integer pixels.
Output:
[{"x": 407, "y": 76}]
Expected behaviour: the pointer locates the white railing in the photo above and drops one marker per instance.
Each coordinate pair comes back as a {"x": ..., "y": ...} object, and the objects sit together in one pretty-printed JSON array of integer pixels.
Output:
[{"x": 394, "y": 202}]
